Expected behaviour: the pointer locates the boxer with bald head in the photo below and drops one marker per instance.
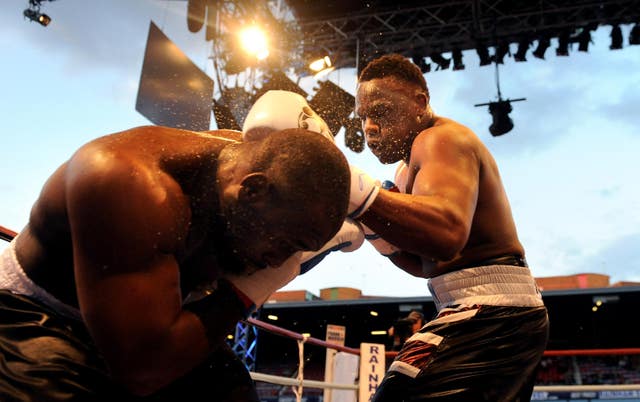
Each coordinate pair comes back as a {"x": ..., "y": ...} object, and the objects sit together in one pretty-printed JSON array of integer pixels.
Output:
[
  {"x": 146, "y": 247},
  {"x": 448, "y": 219},
  {"x": 278, "y": 110}
]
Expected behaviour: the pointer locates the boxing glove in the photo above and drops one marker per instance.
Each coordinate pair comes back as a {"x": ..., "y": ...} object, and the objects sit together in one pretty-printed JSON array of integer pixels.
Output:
[
  {"x": 384, "y": 247},
  {"x": 255, "y": 288},
  {"x": 364, "y": 190},
  {"x": 279, "y": 110},
  {"x": 349, "y": 238}
]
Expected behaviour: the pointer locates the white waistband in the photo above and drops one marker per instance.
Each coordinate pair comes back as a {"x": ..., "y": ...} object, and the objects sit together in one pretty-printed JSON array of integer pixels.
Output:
[
  {"x": 494, "y": 285},
  {"x": 13, "y": 278}
]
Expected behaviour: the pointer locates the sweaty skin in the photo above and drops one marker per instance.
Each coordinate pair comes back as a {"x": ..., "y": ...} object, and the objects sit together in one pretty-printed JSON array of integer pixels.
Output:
[
  {"x": 453, "y": 210},
  {"x": 130, "y": 224}
]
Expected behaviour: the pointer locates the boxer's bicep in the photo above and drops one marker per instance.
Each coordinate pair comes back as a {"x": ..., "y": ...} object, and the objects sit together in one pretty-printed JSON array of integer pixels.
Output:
[{"x": 448, "y": 175}]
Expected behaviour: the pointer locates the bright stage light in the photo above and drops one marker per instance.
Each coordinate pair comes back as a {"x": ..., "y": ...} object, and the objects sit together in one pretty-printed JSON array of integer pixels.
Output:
[{"x": 254, "y": 41}]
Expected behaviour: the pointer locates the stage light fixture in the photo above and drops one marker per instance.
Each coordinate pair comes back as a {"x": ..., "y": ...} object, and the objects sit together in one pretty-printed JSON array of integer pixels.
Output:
[
  {"x": 456, "y": 54},
  {"x": 442, "y": 62},
  {"x": 616, "y": 38},
  {"x": 421, "y": 63},
  {"x": 502, "y": 123},
  {"x": 254, "y": 41},
  {"x": 563, "y": 44},
  {"x": 32, "y": 13},
  {"x": 321, "y": 66},
  {"x": 483, "y": 54},
  {"x": 634, "y": 35},
  {"x": 501, "y": 51},
  {"x": 499, "y": 110},
  {"x": 584, "y": 39},
  {"x": 333, "y": 104},
  {"x": 523, "y": 47},
  {"x": 543, "y": 45}
]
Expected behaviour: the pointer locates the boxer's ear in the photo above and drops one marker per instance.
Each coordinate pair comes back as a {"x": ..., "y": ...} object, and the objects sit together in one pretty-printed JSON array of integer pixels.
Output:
[
  {"x": 422, "y": 99},
  {"x": 254, "y": 187}
]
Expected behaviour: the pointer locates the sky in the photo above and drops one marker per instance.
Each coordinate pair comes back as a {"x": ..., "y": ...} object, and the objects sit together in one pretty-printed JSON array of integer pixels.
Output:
[{"x": 570, "y": 166}]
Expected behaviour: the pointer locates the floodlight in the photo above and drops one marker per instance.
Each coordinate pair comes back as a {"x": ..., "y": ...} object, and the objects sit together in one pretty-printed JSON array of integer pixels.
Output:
[
  {"x": 502, "y": 123},
  {"x": 456, "y": 54},
  {"x": 634, "y": 35},
  {"x": 584, "y": 39},
  {"x": 499, "y": 111},
  {"x": 333, "y": 104},
  {"x": 501, "y": 51},
  {"x": 483, "y": 54},
  {"x": 421, "y": 63},
  {"x": 543, "y": 45},
  {"x": 616, "y": 38},
  {"x": 563, "y": 44},
  {"x": 321, "y": 67},
  {"x": 523, "y": 47},
  {"x": 254, "y": 42},
  {"x": 442, "y": 62},
  {"x": 36, "y": 16}
]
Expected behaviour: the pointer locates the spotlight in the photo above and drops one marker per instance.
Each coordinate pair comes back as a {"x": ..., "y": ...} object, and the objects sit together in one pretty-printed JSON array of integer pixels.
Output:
[
  {"x": 420, "y": 62},
  {"x": 563, "y": 44},
  {"x": 616, "y": 38},
  {"x": 634, "y": 35},
  {"x": 499, "y": 111},
  {"x": 321, "y": 66},
  {"x": 333, "y": 104},
  {"x": 483, "y": 54},
  {"x": 584, "y": 38},
  {"x": 523, "y": 47},
  {"x": 502, "y": 123},
  {"x": 501, "y": 51},
  {"x": 442, "y": 62},
  {"x": 543, "y": 44},
  {"x": 33, "y": 14},
  {"x": 456, "y": 54}
]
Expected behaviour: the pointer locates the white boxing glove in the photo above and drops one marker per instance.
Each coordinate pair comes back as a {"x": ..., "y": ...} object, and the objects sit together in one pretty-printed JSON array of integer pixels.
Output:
[
  {"x": 278, "y": 110},
  {"x": 384, "y": 247},
  {"x": 364, "y": 190},
  {"x": 259, "y": 285},
  {"x": 349, "y": 238}
]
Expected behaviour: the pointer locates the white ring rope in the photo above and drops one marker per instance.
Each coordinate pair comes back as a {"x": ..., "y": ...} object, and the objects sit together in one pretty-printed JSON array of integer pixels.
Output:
[
  {"x": 297, "y": 390},
  {"x": 278, "y": 380}
]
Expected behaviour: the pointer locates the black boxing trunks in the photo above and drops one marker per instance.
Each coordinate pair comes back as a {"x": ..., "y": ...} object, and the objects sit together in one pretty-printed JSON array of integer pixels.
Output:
[
  {"x": 47, "y": 354},
  {"x": 484, "y": 344}
]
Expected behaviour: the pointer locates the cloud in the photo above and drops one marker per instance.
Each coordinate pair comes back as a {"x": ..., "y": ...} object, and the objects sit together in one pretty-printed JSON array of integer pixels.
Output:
[
  {"x": 92, "y": 36},
  {"x": 618, "y": 259}
]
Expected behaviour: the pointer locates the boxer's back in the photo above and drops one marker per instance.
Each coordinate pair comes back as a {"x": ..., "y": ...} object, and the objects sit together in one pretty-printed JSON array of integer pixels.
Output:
[{"x": 157, "y": 159}]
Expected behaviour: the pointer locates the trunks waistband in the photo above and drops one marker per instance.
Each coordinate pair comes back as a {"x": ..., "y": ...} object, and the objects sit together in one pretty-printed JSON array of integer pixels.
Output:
[
  {"x": 507, "y": 259},
  {"x": 14, "y": 279},
  {"x": 494, "y": 285}
]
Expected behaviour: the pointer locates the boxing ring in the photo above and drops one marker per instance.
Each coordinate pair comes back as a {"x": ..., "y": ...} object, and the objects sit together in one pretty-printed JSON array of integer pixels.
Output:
[
  {"x": 358, "y": 390},
  {"x": 626, "y": 392}
]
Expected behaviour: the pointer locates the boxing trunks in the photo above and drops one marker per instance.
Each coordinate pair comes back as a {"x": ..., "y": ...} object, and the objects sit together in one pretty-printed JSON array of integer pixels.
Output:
[
  {"x": 484, "y": 344},
  {"x": 48, "y": 355}
]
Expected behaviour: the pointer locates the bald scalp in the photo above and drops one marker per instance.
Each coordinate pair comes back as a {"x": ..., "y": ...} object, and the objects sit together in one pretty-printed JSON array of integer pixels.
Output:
[{"x": 306, "y": 169}]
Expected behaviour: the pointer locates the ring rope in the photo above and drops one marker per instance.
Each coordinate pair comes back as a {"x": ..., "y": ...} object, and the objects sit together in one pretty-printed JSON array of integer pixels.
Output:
[
  {"x": 7, "y": 234},
  {"x": 279, "y": 380},
  {"x": 299, "y": 383},
  {"x": 297, "y": 390}
]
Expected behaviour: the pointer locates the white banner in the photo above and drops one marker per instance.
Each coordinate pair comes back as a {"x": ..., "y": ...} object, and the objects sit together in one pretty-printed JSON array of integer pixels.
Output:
[
  {"x": 335, "y": 335},
  {"x": 372, "y": 369}
]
